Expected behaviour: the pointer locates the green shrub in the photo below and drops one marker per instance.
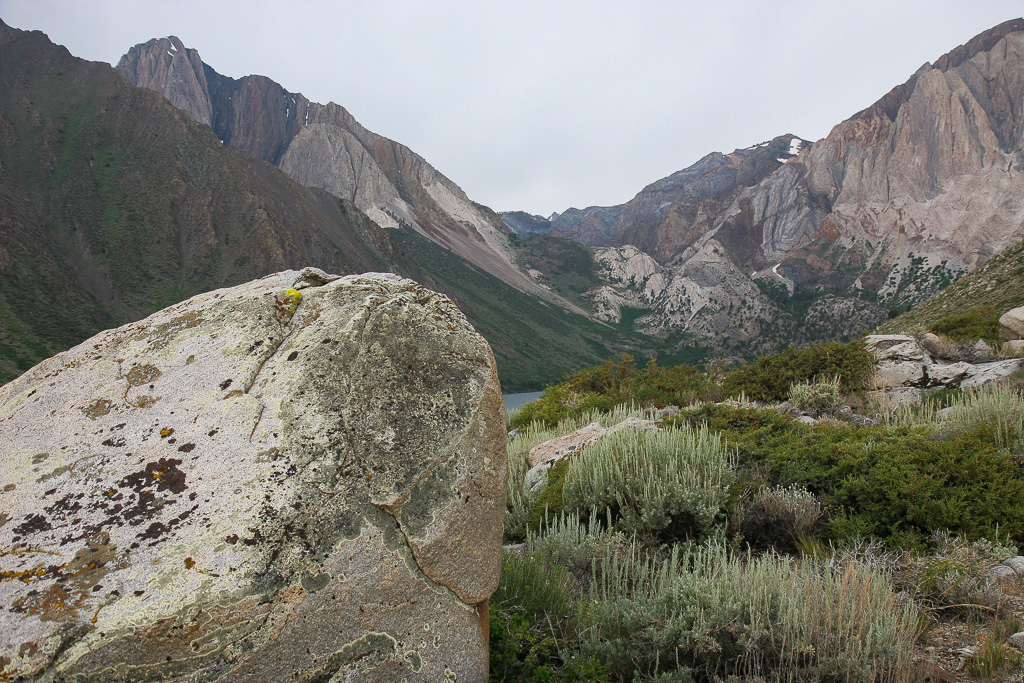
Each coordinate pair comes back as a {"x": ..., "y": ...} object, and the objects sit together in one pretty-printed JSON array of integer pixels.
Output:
[
  {"x": 769, "y": 378},
  {"x": 672, "y": 482},
  {"x": 816, "y": 396},
  {"x": 528, "y": 614},
  {"x": 898, "y": 483},
  {"x": 970, "y": 325}
]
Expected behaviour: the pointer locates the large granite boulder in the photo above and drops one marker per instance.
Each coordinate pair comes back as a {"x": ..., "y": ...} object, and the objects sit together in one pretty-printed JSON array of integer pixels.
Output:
[{"x": 296, "y": 479}]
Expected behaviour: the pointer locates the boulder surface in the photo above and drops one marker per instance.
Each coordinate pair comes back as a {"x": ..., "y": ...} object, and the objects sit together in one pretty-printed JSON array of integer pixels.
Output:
[{"x": 296, "y": 479}]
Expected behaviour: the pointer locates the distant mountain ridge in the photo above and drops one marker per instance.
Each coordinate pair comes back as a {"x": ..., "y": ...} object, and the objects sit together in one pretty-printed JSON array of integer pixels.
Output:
[
  {"x": 322, "y": 145},
  {"x": 756, "y": 249}
]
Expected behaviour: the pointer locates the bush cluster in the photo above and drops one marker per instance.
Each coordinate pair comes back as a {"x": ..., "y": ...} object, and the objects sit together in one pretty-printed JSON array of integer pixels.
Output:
[
  {"x": 739, "y": 543},
  {"x": 615, "y": 383},
  {"x": 768, "y": 379},
  {"x": 897, "y": 483}
]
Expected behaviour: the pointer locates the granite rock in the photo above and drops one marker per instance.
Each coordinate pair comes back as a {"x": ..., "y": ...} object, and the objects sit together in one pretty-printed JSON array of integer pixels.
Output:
[{"x": 259, "y": 483}]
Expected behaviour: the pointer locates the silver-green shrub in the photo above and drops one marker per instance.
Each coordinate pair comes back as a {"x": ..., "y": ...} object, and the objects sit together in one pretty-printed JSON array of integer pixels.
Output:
[
  {"x": 517, "y": 507},
  {"x": 703, "y": 612},
  {"x": 777, "y": 516},
  {"x": 674, "y": 480},
  {"x": 818, "y": 396},
  {"x": 995, "y": 404}
]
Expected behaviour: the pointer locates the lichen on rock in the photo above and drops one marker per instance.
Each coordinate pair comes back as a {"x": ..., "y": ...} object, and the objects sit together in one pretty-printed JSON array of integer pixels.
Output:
[{"x": 293, "y": 479}]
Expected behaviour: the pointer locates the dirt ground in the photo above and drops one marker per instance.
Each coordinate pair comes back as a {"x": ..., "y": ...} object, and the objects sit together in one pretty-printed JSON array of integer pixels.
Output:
[{"x": 946, "y": 647}]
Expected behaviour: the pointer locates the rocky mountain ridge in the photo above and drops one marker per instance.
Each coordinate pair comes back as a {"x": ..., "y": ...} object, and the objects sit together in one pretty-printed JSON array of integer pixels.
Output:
[
  {"x": 890, "y": 207},
  {"x": 323, "y": 146},
  {"x": 114, "y": 204}
]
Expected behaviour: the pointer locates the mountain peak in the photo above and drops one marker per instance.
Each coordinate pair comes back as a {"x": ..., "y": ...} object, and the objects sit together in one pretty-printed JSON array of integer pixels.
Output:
[{"x": 167, "y": 66}]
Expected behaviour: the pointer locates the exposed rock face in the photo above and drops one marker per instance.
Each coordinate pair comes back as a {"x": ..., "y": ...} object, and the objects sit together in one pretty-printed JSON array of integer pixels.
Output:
[
  {"x": 905, "y": 369},
  {"x": 322, "y": 145},
  {"x": 175, "y": 71},
  {"x": 301, "y": 478},
  {"x": 708, "y": 297},
  {"x": 896, "y": 202},
  {"x": 671, "y": 214}
]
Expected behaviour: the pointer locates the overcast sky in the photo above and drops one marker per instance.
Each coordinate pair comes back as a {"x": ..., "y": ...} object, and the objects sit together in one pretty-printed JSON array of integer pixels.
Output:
[{"x": 542, "y": 105}]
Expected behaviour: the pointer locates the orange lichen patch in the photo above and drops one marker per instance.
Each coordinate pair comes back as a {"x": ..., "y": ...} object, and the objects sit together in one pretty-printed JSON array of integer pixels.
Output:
[
  {"x": 72, "y": 584},
  {"x": 98, "y": 408},
  {"x": 189, "y": 563},
  {"x": 165, "y": 432},
  {"x": 26, "y": 551},
  {"x": 24, "y": 575}
]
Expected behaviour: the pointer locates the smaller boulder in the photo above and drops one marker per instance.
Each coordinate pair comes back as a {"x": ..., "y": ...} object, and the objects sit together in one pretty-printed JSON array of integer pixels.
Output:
[
  {"x": 1011, "y": 324},
  {"x": 1016, "y": 564},
  {"x": 981, "y": 352},
  {"x": 1016, "y": 640},
  {"x": 896, "y": 347},
  {"x": 947, "y": 374},
  {"x": 558, "y": 448},
  {"x": 1013, "y": 348},
  {"x": 898, "y": 374},
  {"x": 935, "y": 345},
  {"x": 1001, "y": 574}
]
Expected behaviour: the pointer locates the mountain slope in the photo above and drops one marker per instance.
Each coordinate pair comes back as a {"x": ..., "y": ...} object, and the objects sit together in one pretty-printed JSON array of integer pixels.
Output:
[
  {"x": 324, "y": 146},
  {"x": 114, "y": 203},
  {"x": 998, "y": 284}
]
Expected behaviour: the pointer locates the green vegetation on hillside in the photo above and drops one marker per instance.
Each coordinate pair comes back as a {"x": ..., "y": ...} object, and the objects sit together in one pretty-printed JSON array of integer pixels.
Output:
[
  {"x": 739, "y": 543},
  {"x": 568, "y": 267},
  {"x": 969, "y": 325},
  {"x": 768, "y": 378},
  {"x": 997, "y": 285}
]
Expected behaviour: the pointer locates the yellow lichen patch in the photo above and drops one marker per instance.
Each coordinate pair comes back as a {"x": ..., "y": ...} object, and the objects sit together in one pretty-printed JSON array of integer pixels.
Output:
[{"x": 165, "y": 432}]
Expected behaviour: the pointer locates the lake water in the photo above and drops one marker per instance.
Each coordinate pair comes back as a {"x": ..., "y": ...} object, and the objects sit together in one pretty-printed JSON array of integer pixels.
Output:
[{"x": 513, "y": 401}]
